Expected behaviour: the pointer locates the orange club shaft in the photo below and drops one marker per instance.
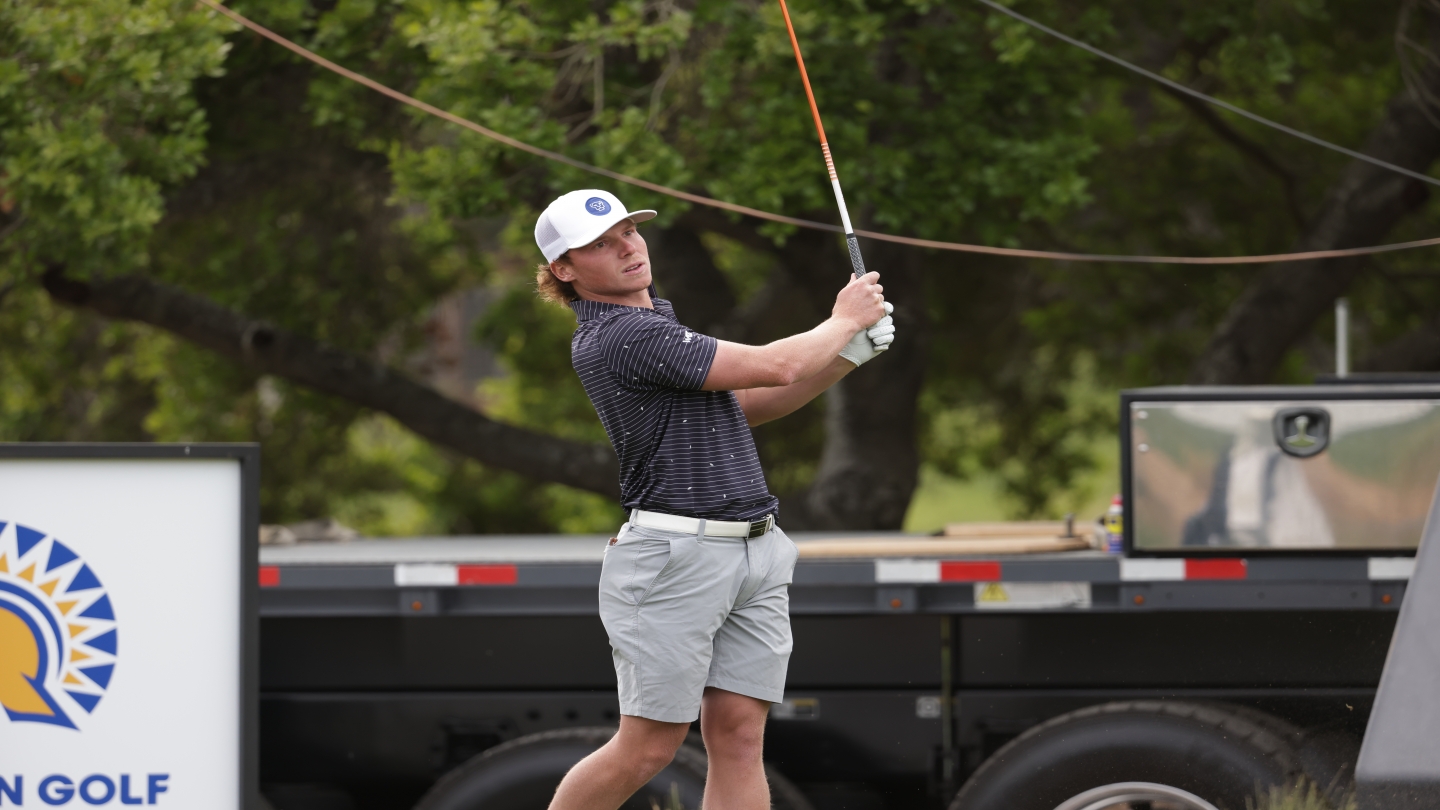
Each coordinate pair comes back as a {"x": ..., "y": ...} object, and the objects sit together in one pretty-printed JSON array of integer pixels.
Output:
[{"x": 857, "y": 264}]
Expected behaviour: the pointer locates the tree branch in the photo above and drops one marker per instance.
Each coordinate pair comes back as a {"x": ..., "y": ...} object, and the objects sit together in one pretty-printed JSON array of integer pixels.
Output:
[
  {"x": 1250, "y": 149},
  {"x": 269, "y": 350},
  {"x": 1284, "y": 301}
]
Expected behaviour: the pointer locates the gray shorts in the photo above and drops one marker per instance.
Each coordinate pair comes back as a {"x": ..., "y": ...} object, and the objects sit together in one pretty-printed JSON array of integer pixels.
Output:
[{"x": 685, "y": 612}]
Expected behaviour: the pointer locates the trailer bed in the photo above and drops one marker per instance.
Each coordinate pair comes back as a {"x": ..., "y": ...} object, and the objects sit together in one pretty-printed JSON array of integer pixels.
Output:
[
  {"x": 558, "y": 574},
  {"x": 385, "y": 663}
]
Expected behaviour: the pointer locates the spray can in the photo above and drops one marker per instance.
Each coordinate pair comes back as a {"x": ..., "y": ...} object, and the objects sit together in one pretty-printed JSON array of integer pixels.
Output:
[{"x": 1115, "y": 526}]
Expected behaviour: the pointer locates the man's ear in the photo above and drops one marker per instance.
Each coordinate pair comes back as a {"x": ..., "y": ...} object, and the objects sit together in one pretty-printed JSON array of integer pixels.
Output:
[{"x": 562, "y": 271}]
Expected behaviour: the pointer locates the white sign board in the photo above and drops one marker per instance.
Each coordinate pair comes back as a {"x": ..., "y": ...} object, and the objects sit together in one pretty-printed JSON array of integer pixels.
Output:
[{"x": 123, "y": 626}]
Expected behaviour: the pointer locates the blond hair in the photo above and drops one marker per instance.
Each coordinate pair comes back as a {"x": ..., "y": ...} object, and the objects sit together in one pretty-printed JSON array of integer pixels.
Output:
[{"x": 550, "y": 288}]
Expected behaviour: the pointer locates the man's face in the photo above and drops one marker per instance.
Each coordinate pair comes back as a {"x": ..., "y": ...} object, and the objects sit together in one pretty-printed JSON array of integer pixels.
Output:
[{"x": 618, "y": 263}]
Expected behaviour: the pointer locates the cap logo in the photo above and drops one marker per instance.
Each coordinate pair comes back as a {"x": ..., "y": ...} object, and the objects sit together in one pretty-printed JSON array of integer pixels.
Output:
[{"x": 597, "y": 206}]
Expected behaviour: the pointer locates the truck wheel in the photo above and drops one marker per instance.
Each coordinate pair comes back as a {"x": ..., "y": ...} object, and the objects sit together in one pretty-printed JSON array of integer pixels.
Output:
[
  {"x": 784, "y": 795},
  {"x": 1327, "y": 753},
  {"x": 1176, "y": 749},
  {"x": 523, "y": 773}
]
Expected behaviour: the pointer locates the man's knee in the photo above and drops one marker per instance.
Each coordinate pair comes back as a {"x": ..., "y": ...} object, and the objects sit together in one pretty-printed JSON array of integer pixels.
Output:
[
  {"x": 741, "y": 742},
  {"x": 651, "y": 757},
  {"x": 734, "y": 731},
  {"x": 647, "y": 749}
]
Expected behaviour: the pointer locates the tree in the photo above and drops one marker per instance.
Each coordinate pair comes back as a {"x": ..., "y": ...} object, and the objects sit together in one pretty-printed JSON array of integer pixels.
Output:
[
  {"x": 1362, "y": 207},
  {"x": 325, "y": 221}
]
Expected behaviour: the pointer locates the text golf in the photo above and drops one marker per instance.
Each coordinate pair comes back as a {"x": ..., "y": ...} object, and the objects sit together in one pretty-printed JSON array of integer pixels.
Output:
[{"x": 56, "y": 790}]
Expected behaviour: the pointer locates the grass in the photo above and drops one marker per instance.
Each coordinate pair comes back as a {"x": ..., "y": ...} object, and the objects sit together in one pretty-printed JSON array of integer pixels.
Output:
[
  {"x": 1302, "y": 795},
  {"x": 941, "y": 499},
  {"x": 672, "y": 801}
]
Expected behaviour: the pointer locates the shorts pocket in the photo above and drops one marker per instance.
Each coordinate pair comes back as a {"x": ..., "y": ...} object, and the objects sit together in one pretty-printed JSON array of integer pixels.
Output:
[
  {"x": 792, "y": 551},
  {"x": 649, "y": 558},
  {"x": 674, "y": 546}
]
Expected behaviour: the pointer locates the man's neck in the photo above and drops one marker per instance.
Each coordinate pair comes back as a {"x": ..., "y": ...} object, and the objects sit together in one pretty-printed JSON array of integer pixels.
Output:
[{"x": 639, "y": 298}]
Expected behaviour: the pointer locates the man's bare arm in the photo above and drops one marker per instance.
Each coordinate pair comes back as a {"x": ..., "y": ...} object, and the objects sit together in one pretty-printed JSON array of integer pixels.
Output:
[
  {"x": 798, "y": 357},
  {"x": 763, "y": 405}
]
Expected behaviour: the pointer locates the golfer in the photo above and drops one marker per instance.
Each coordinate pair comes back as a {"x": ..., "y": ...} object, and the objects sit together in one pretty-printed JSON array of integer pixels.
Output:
[{"x": 694, "y": 587}]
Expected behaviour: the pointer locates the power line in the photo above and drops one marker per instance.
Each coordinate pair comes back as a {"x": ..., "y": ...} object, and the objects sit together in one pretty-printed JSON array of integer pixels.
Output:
[
  {"x": 805, "y": 223},
  {"x": 1224, "y": 105}
]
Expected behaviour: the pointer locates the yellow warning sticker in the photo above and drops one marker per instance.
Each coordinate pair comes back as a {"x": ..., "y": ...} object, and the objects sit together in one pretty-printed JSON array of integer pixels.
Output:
[
  {"x": 992, "y": 592},
  {"x": 1031, "y": 595}
]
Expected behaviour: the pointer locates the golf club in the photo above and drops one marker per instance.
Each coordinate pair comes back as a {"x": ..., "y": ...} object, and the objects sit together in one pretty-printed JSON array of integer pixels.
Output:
[{"x": 856, "y": 263}]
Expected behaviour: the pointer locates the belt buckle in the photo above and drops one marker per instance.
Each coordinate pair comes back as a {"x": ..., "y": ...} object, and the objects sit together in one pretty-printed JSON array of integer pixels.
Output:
[{"x": 759, "y": 527}]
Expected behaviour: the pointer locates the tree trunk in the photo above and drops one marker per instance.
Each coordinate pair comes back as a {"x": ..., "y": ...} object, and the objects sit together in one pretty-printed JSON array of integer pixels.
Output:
[
  {"x": 870, "y": 464},
  {"x": 686, "y": 274}
]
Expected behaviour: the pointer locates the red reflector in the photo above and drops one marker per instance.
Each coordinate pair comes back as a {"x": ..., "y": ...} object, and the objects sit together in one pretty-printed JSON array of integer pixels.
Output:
[
  {"x": 486, "y": 574},
  {"x": 1215, "y": 569},
  {"x": 269, "y": 576},
  {"x": 969, "y": 571}
]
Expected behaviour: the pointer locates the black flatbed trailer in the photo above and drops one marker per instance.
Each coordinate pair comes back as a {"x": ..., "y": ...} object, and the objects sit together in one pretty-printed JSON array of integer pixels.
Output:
[{"x": 386, "y": 664}]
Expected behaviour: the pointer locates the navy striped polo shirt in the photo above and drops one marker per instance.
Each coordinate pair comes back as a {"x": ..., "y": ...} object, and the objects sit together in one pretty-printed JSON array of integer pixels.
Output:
[{"x": 682, "y": 451}]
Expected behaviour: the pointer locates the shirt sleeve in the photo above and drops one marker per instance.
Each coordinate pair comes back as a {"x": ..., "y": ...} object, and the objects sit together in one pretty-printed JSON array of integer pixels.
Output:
[{"x": 648, "y": 350}]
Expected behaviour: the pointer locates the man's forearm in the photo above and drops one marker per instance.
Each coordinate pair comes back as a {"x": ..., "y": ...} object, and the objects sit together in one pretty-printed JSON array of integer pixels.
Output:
[
  {"x": 763, "y": 405},
  {"x": 809, "y": 353},
  {"x": 780, "y": 364}
]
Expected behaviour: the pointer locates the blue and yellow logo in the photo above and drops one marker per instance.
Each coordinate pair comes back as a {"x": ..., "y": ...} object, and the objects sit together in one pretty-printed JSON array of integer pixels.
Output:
[{"x": 58, "y": 639}]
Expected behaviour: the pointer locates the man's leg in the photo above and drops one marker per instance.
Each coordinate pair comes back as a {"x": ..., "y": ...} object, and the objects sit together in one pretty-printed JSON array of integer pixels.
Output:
[
  {"x": 734, "y": 730},
  {"x": 606, "y": 778}
]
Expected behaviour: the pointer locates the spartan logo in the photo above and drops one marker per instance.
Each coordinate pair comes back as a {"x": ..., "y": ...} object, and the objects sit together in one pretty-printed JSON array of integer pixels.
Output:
[{"x": 58, "y": 639}]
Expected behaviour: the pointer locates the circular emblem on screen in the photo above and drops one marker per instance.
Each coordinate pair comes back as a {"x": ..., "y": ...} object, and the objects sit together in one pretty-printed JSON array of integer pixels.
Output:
[
  {"x": 1302, "y": 432},
  {"x": 57, "y": 630},
  {"x": 597, "y": 206}
]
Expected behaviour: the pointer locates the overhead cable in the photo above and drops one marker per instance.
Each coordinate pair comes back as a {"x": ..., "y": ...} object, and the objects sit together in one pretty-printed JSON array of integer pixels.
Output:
[
  {"x": 1224, "y": 105},
  {"x": 787, "y": 220}
]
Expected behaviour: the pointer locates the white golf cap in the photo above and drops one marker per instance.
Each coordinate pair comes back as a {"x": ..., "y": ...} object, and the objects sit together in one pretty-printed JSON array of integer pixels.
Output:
[{"x": 579, "y": 218}]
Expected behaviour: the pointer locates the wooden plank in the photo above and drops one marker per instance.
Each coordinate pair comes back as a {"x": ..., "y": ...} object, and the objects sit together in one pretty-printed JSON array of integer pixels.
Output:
[
  {"x": 937, "y": 546},
  {"x": 1012, "y": 528}
]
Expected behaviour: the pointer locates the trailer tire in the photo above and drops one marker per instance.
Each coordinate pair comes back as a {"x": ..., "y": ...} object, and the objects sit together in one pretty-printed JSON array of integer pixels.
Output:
[
  {"x": 1218, "y": 755},
  {"x": 784, "y": 795},
  {"x": 522, "y": 774},
  {"x": 1327, "y": 753}
]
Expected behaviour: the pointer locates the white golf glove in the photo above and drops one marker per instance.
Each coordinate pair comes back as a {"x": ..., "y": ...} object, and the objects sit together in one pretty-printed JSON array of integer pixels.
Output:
[{"x": 872, "y": 340}]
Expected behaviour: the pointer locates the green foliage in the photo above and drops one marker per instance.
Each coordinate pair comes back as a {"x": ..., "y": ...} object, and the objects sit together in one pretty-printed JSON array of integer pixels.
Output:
[
  {"x": 540, "y": 391},
  {"x": 147, "y": 136},
  {"x": 96, "y": 118},
  {"x": 413, "y": 489},
  {"x": 100, "y": 399},
  {"x": 1035, "y": 435}
]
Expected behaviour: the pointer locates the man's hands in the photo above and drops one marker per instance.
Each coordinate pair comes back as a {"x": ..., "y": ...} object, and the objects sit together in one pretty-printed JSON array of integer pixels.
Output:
[
  {"x": 869, "y": 342},
  {"x": 861, "y": 303}
]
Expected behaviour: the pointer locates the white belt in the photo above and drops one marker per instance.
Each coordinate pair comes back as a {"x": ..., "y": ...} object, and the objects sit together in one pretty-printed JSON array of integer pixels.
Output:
[{"x": 748, "y": 529}]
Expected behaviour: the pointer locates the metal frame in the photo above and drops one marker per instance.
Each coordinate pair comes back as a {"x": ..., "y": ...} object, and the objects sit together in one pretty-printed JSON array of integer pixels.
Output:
[
  {"x": 840, "y": 587},
  {"x": 248, "y": 455},
  {"x": 1358, "y": 390}
]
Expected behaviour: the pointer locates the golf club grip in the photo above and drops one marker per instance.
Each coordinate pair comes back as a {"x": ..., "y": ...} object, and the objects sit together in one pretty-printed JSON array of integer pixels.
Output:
[{"x": 856, "y": 263}]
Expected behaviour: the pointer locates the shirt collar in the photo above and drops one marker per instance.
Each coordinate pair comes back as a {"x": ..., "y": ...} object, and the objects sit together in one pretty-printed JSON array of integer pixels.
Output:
[{"x": 587, "y": 310}]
